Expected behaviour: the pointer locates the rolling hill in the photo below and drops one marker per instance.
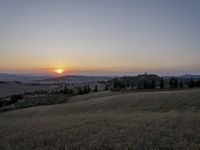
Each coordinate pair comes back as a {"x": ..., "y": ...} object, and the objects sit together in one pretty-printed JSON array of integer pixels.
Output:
[{"x": 144, "y": 120}]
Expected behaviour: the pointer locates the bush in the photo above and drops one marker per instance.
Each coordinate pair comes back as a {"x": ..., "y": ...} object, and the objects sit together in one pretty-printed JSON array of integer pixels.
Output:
[{"x": 15, "y": 98}]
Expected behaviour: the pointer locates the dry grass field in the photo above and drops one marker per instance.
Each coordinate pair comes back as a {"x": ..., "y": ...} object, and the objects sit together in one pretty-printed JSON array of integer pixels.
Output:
[{"x": 147, "y": 120}]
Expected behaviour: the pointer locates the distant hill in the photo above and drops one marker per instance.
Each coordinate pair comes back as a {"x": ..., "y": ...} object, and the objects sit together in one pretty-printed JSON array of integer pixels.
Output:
[
  {"x": 190, "y": 76},
  {"x": 5, "y": 77},
  {"x": 75, "y": 79}
]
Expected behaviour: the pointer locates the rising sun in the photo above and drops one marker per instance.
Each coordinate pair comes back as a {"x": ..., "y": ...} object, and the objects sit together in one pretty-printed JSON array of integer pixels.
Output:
[{"x": 59, "y": 71}]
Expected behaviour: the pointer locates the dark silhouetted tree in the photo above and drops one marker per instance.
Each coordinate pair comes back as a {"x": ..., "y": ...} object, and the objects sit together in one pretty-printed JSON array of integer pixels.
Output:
[
  {"x": 198, "y": 83},
  {"x": 171, "y": 83},
  {"x": 181, "y": 85},
  {"x": 65, "y": 90},
  {"x": 85, "y": 90},
  {"x": 106, "y": 87},
  {"x": 153, "y": 84},
  {"x": 191, "y": 83},
  {"x": 118, "y": 84},
  {"x": 95, "y": 88},
  {"x": 140, "y": 86},
  {"x": 1, "y": 103},
  {"x": 127, "y": 84},
  {"x": 132, "y": 85},
  {"x": 80, "y": 91},
  {"x": 88, "y": 88},
  {"x": 115, "y": 84},
  {"x": 71, "y": 91},
  {"x": 175, "y": 82},
  {"x": 146, "y": 85},
  {"x": 15, "y": 98},
  {"x": 162, "y": 85}
]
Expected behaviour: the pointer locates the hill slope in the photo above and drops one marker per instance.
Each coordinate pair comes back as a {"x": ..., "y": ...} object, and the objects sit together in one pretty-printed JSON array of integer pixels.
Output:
[
  {"x": 149, "y": 120},
  {"x": 187, "y": 100}
]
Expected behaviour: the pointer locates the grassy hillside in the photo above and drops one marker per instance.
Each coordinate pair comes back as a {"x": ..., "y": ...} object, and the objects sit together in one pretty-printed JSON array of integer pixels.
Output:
[{"x": 149, "y": 120}]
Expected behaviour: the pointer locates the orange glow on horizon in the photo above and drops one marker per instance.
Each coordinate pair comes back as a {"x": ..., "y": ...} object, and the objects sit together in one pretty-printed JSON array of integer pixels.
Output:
[{"x": 59, "y": 71}]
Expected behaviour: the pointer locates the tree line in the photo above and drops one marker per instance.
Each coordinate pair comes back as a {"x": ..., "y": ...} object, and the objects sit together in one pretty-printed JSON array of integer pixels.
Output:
[{"x": 173, "y": 83}]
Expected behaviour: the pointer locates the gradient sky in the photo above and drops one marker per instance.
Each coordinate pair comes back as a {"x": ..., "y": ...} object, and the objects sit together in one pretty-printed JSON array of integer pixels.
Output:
[{"x": 100, "y": 36}]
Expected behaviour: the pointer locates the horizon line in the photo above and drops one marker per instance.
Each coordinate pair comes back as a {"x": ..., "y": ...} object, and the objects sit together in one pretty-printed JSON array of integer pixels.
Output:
[{"x": 97, "y": 74}]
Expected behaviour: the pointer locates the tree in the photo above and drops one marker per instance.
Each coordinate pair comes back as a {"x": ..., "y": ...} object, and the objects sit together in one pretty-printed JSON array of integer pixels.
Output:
[
  {"x": 153, "y": 84},
  {"x": 146, "y": 86},
  {"x": 122, "y": 85},
  {"x": 115, "y": 84},
  {"x": 1, "y": 103},
  {"x": 15, "y": 98},
  {"x": 106, "y": 87},
  {"x": 132, "y": 85},
  {"x": 175, "y": 82},
  {"x": 65, "y": 91},
  {"x": 95, "y": 88},
  {"x": 162, "y": 86},
  {"x": 118, "y": 84},
  {"x": 85, "y": 90},
  {"x": 88, "y": 88},
  {"x": 127, "y": 84},
  {"x": 198, "y": 83},
  {"x": 80, "y": 91},
  {"x": 171, "y": 82},
  {"x": 181, "y": 85},
  {"x": 191, "y": 83},
  {"x": 71, "y": 91},
  {"x": 139, "y": 86}
]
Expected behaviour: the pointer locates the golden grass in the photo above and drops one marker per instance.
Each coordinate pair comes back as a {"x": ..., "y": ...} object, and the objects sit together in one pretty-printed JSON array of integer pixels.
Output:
[{"x": 152, "y": 120}]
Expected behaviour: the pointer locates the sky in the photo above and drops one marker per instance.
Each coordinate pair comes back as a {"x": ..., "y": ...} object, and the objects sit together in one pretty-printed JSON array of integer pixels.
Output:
[{"x": 100, "y": 37}]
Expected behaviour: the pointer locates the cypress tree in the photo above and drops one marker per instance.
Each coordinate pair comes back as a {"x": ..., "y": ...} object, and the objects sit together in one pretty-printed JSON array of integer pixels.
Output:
[
  {"x": 95, "y": 88},
  {"x": 181, "y": 85},
  {"x": 127, "y": 84},
  {"x": 198, "y": 83},
  {"x": 85, "y": 90},
  {"x": 106, "y": 87},
  {"x": 146, "y": 86},
  {"x": 65, "y": 91},
  {"x": 175, "y": 82},
  {"x": 191, "y": 84},
  {"x": 115, "y": 84},
  {"x": 139, "y": 86},
  {"x": 153, "y": 84},
  {"x": 80, "y": 90},
  {"x": 132, "y": 85},
  {"x": 162, "y": 86},
  {"x": 88, "y": 87},
  {"x": 171, "y": 83}
]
